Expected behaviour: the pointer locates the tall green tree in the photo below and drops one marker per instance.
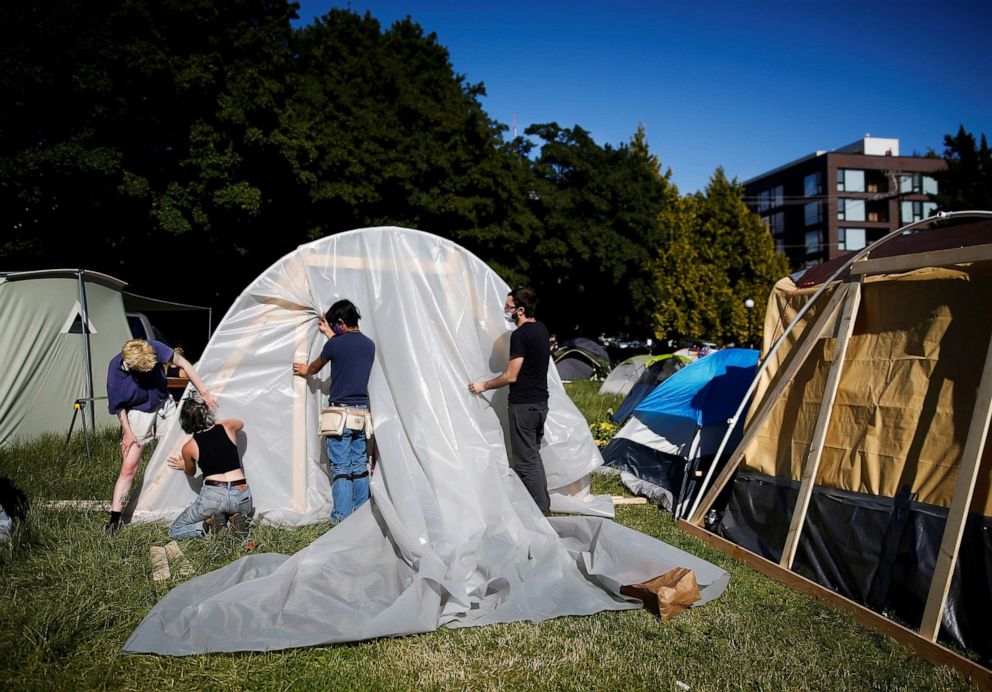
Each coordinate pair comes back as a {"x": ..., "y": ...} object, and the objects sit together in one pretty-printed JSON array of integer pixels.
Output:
[
  {"x": 139, "y": 130},
  {"x": 967, "y": 182},
  {"x": 381, "y": 130},
  {"x": 716, "y": 254},
  {"x": 597, "y": 208}
]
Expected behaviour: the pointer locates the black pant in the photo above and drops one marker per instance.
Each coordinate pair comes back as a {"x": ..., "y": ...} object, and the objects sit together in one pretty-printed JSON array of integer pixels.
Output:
[{"x": 526, "y": 432}]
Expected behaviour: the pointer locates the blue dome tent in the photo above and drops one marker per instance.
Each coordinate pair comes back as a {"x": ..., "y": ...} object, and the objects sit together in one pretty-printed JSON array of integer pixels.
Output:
[{"x": 676, "y": 429}]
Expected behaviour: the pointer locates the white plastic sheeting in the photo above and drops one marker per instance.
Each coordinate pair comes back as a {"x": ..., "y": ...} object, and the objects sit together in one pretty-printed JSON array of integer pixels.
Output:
[
  {"x": 435, "y": 312},
  {"x": 451, "y": 536}
]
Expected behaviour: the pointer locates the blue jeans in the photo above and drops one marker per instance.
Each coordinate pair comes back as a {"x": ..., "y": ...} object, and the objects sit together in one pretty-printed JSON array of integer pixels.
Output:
[
  {"x": 349, "y": 471},
  {"x": 212, "y": 500}
]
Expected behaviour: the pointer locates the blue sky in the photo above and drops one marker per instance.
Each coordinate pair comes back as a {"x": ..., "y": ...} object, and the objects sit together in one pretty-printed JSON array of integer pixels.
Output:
[{"x": 746, "y": 85}]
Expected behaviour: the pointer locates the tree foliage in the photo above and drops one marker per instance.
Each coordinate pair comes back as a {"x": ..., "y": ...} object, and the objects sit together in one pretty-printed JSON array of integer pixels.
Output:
[
  {"x": 597, "y": 208},
  {"x": 967, "y": 182},
  {"x": 157, "y": 139},
  {"x": 715, "y": 255}
]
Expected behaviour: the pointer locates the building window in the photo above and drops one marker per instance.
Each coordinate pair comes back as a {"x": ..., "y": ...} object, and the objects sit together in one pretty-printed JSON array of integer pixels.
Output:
[
  {"x": 850, "y": 180},
  {"x": 780, "y": 245},
  {"x": 917, "y": 184},
  {"x": 813, "y": 185},
  {"x": 812, "y": 242},
  {"x": 915, "y": 211},
  {"x": 778, "y": 196},
  {"x": 850, "y": 239},
  {"x": 851, "y": 209},
  {"x": 767, "y": 199},
  {"x": 776, "y": 223},
  {"x": 763, "y": 200},
  {"x": 813, "y": 213}
]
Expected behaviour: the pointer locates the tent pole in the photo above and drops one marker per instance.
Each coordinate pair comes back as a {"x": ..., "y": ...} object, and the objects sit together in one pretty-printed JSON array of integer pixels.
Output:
[
  {"x": 842, "y": 333},
  {"x": 941, "y": 216},
  {"x": 957, "y": 516},
  {"x": 87, "y": 357}
]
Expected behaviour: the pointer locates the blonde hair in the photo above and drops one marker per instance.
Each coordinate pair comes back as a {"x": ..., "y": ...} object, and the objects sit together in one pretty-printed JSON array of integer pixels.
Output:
[{"x": 139, "y": 355}]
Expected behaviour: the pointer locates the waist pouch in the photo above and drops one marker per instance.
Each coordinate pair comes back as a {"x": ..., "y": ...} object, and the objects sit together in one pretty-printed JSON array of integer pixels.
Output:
[{"x": 334, "y": 419}]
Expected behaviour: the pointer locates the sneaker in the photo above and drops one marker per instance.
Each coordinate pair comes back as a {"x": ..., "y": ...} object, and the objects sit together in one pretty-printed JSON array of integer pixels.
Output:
[
  {"x": 239, "y": 525},
  {"x": 111, "y": 528}
]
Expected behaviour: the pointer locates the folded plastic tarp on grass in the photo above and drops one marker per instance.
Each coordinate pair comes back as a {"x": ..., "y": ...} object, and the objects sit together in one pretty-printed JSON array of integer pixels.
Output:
[{"x": 451, "y": 536}]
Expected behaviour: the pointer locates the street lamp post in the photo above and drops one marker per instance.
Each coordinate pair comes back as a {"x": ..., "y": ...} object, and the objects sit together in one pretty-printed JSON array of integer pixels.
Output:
[{"x": 749, "y": 304}]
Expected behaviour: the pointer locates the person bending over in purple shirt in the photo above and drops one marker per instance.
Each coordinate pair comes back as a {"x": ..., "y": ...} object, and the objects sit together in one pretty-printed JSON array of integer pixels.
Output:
[{"x": 138, "y": 393}]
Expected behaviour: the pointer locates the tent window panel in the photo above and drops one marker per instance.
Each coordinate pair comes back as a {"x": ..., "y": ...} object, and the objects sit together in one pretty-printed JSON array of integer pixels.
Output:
[{"x": 74, "y": 322}]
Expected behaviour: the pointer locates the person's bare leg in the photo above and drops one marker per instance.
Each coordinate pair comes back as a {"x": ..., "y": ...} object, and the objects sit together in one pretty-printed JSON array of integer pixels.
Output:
[{"x": 129, "y": 468}]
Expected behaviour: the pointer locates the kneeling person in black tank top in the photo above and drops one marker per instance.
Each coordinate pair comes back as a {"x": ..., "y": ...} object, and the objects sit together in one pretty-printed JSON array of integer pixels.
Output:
[{"x": 225, "y": 495}]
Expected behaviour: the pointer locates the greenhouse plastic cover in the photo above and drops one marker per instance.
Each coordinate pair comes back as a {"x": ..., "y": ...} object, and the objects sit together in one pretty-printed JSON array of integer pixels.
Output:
[{"x": 451, "y": 536}]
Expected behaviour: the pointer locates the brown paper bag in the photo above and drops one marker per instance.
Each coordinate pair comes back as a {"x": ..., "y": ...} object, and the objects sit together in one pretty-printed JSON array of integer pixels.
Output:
[{"x": 668, "y": 595}]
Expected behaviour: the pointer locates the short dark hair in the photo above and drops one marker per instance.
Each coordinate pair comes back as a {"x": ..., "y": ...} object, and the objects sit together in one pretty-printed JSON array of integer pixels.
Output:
[
  {"x": 195, "y": 416},
  {"x": 345, "y": 311},
  {"x": 525, "y": 298}
]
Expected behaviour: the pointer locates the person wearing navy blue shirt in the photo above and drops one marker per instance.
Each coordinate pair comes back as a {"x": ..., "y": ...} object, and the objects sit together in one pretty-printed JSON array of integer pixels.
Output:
[
  {"x": 351, "y": 355},
  {"x": 138, "y": 394},
  {"x": 527, "y": 375}
]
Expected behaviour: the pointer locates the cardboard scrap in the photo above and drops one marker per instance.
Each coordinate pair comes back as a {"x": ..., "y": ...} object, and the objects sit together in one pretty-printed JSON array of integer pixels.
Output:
[
  {"x": 160, "y": 564},
  {"x": 668, "y": 595},
  {"x": 175, "y": 553}
]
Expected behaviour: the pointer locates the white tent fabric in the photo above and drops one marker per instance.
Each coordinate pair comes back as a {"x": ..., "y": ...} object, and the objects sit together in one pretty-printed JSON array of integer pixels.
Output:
[
  {"x": 435, "y": 313},
  {"x": 451, "y": 536}
]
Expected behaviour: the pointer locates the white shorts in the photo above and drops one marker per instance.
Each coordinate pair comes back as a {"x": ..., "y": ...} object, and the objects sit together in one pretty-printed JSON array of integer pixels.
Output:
[{"x": 147, "y": 425}]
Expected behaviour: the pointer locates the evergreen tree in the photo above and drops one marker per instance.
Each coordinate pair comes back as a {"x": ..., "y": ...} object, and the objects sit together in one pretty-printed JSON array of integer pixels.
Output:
[
  {"x": 967, "y": 182},
  {"x": 716, "y": 255},
  {"x": 597, "y": 208}
]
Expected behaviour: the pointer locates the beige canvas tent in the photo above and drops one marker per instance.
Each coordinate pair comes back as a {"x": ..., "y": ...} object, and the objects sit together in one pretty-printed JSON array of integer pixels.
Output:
[
  {"x": 863, "y": 466},
  {"x": 60, "y": 329}
]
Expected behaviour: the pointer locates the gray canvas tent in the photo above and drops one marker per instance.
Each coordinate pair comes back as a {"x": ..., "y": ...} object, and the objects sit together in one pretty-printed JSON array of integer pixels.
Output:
[
  {"x": 581, "y": 359},
  {"x": 50, "y": 359},
  {"x": 60, "y": 329},
  {"x": 624, "y": 376}
]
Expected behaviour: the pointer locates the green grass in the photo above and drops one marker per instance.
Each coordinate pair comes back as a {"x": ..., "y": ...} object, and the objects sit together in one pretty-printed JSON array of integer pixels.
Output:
[{"x": 69, "y": 598}]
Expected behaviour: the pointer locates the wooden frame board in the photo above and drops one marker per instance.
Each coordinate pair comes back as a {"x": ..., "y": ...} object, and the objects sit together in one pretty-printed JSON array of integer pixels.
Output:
[
  {"x": 971, "y": 460},
  {"x": 934, "y": 258},
  {"x": 923, "y": 647},
  {"x": 842, "y": 334}
]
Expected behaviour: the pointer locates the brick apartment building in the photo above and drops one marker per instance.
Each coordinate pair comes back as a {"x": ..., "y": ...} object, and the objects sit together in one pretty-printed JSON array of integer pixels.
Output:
[{"x": 830, "y": 202}]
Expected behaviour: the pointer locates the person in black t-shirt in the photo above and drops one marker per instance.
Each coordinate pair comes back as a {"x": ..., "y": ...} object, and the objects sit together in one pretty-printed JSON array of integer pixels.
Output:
[{"x": 527, "y": 375}]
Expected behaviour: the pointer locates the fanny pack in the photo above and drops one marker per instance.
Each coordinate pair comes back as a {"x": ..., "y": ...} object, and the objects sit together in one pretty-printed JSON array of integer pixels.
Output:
[{"x": 334, "y": 419}]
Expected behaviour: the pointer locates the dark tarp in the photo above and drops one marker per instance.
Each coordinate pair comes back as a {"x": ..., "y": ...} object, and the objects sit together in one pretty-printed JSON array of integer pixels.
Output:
[{"x": 878, "y": 551}]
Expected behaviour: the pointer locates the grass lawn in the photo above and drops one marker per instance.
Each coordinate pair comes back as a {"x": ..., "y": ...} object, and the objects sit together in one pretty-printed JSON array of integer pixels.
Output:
[{"x": 69, "y": 598}]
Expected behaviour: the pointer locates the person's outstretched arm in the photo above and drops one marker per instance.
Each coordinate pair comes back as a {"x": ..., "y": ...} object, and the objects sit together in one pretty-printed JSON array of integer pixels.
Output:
[
  {"x": 508, "y": 376},
  {"x": 207, "y": 397}
]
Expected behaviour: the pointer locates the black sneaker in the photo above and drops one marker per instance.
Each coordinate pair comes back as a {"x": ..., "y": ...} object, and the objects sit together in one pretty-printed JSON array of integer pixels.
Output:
[
  {"x": 111, "y": 528},
  {"x": 239, "y": 525}
]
